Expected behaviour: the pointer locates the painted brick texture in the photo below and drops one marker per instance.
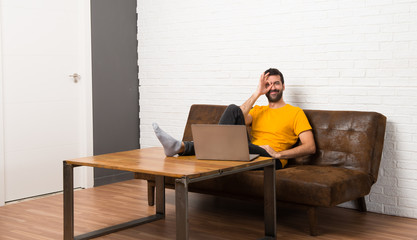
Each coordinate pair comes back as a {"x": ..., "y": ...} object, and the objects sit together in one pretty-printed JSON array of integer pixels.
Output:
[{"x": 335, "y": 55}]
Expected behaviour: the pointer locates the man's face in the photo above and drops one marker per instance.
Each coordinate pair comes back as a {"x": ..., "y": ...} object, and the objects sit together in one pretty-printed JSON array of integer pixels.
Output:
[{"x": 275, "y": 94}]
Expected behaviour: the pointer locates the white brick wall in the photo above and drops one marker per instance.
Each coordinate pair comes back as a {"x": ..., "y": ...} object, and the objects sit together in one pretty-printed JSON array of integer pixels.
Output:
[{"x": 342, "y": 55}]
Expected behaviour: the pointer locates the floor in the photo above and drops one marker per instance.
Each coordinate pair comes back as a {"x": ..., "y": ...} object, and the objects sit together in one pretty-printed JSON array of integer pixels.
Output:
[{"x": 210, "y": 218}]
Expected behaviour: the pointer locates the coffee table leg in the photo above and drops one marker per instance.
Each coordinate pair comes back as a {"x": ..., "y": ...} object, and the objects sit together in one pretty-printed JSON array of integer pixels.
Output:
[
  {"x": 160, "y": 195},
  {"x": 68, "y": 202},
  {"x": 270, "y": 203},
  {"x": 181, "y": 208}
]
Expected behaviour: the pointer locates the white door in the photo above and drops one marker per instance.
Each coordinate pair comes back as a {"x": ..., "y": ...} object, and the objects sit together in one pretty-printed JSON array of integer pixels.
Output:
[{"x": 46, "y": 114}]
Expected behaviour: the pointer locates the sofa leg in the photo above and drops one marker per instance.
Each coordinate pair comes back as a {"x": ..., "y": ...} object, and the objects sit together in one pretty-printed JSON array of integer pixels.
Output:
[
  {"x": 151, "y": 193},
  {"x": 312, "y": 218},
  {"x": 361, "y": 204}
]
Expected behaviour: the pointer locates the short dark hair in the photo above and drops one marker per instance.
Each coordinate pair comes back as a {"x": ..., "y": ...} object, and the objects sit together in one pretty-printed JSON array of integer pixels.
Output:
[{"x": 274, "y": 71}]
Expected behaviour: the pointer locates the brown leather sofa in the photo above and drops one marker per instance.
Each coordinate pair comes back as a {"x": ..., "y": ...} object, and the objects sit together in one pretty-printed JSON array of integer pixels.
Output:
[{"x": 345, "y": 166}]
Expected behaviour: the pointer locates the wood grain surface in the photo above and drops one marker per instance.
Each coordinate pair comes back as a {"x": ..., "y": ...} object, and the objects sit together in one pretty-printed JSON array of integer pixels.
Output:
[
  {"x": 153, "y": 161},
  {"x": 211, "y": 218}
]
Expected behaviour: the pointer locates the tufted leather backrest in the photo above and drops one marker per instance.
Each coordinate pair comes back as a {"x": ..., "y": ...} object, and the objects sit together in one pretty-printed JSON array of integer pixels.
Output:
[
  {"x": 202, "y": 114},
  {"x": 349, "y": 139}
]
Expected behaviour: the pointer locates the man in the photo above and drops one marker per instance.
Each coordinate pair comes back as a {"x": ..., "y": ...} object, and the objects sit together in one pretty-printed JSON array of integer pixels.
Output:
[{"x": 275, "y": 127}]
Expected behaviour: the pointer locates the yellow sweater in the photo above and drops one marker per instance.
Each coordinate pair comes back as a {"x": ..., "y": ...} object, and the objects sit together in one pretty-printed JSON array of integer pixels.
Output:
[{"x": 278, "y": 128}]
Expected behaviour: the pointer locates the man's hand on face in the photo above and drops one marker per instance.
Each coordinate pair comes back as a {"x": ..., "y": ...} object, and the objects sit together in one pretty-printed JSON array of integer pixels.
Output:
[{"x": 264, "y": 86}]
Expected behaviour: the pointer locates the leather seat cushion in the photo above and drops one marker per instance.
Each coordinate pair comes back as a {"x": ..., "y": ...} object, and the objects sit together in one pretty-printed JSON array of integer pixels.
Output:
[
  {"x": 321, "y": 185},
  {"x": 245, "y": 185},
  {"x": 304, "y": 184}
]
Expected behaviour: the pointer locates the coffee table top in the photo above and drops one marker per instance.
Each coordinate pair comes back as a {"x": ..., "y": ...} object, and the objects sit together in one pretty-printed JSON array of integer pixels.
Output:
[{"x": 153, "y": 161}]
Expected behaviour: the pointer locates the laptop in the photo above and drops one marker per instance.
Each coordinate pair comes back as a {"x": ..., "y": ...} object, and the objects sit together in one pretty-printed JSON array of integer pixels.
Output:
[{"x": 221, "y": 142}]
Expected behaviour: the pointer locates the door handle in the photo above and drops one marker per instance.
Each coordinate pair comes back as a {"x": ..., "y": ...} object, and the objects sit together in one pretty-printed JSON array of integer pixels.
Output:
[{"x": 76, "y": 77}]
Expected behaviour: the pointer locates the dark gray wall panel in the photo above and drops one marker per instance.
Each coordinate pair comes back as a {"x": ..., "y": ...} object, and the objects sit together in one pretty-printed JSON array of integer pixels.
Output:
[{"x": 115, "y": 82}]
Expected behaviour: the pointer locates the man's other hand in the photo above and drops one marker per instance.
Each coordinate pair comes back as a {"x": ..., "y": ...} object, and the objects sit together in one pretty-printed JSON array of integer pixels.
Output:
[{"x": 271, "y": 151}]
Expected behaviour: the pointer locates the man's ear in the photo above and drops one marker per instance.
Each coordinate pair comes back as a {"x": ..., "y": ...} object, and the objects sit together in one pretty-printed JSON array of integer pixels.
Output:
[{"x": 283, "y": 87}]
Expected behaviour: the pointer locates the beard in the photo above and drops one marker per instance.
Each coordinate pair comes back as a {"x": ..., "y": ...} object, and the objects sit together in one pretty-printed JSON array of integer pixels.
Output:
[{"x": 277, "y": 97}]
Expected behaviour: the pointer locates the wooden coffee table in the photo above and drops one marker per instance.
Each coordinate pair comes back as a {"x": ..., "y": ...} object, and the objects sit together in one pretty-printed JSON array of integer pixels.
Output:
[{"x": 186, "y": 169}]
